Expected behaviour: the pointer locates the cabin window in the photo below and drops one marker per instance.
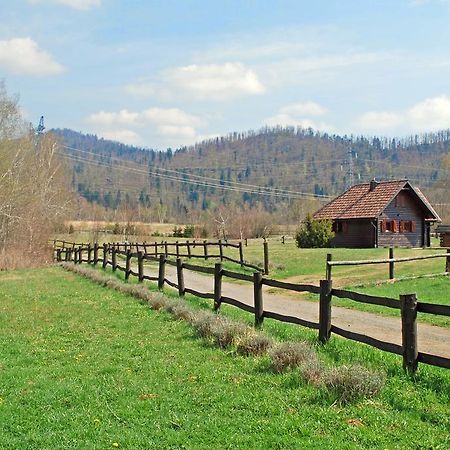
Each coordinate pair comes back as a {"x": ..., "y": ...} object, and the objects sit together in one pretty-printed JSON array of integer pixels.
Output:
[
  {"x": 399, "y": 201},
  {"x": 389, "y": 226},
  {"x": 407, "y": 226}
]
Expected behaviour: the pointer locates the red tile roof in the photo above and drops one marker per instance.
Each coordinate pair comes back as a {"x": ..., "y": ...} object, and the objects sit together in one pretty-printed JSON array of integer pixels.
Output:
[{"x": 359, "y": 202}]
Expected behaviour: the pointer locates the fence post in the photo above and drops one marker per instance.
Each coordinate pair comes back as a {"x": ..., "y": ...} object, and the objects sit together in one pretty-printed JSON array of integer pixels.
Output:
[
  {"x": 205, "y": 249},
  {"x": 180, "y": 277},
  {"x": 258, "y": 298},
  {"x": 266, "y": 257},
  {"x": 162, "y": 271},
  {"x": 325, "y": 311},
  {"x": 58, "y": 254},
  {"x": 95, "y": 253},
  {"x": 217, "y": 285},
  {"x": 166, "y": 249},
  {"x": 140, "y": 257},
  {"x": 391, "y": 263},
  {"x": 246, "y": 242},
  {"x": 220, "y": 250},
  {"x": 128, "y": 264},
  {"x": 409, "y": 332},
  {"x": 447, "y": 261},
  {"x": 89, "y": 258},
  {"x": 80, "y": 254},
  {"x": 105, "y": 256},
  {"x": 114, "y": 258},
  {"x": 282, "y": 240},
  {"x": 241, "y": 252},
  {"x": 188, "y": 246},
  {"x": 177, "y": 249},
  {"x": 328, "y": 267}
]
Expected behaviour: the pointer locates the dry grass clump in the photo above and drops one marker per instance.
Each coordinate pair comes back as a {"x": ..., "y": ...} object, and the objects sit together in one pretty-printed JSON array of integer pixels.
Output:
[
  {"x": 353, "y": 382},
  {"x": 312, "y": 371},
  {"x": 253, "y": 344},
  {"x": 158, "y": 301},
  {"x": 180, "y": 311},
  {"x": 227, "y": 332},
  {"x": 204, "y": 322},
  {"x": 290, "y": 355}
]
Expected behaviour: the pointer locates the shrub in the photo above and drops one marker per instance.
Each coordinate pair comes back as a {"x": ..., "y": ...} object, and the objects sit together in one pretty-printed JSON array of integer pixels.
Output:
[
  {"x": 253, "y": 344},
  {"x": 312, "y": 371},
  {"x": 353, "y": 382},
  {"x": 290, "y": 355},
  {"x": 157, "y": 301},
  {"x": 226, "y": 332},
  {"x": 314, "y": 233},
  {"x": 204, "y": 323},
  {"x": 180, "y": 311}
]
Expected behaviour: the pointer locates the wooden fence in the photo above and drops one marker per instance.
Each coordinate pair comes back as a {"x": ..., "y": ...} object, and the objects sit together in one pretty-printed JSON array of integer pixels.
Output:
[
  {"x": 391, "y": 261},
  {"x": 183, "y": 250},
  {"x": 406, "y": 304}
]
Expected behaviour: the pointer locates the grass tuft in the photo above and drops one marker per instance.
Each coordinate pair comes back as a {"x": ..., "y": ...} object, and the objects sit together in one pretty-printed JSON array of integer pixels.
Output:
[
  {"x": 290, "y": 355},
  {"x": 253, "y": 344}
]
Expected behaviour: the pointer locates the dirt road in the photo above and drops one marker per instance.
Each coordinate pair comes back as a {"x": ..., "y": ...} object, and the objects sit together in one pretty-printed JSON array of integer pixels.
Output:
[{"x": 431, "y": 339}]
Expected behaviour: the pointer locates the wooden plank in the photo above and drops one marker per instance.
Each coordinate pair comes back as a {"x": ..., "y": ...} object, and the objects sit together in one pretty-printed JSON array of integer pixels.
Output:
[
  {"x": 291, "y": 319},
  {"x": 381, "y": 345},
  {"x": 429, "y": 308},
  {"x": 434, "y": 360},
  {"x": 365, "y": 298},
  {"x": 237, "y": 276},
  {"x": 202, "y": 269},
  {"x": 292, "y": 286},
  {"x": 384, "y": 261},
  {"x": 171, "y": 283},
  {"x": 150, "y": 278},
  {"x": 199, "y": 294},
  {"x": 238, "y": 304}
]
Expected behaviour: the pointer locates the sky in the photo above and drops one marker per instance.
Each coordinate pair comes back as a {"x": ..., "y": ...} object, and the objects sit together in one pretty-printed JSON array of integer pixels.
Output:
[{"x": 168, "y": 73}]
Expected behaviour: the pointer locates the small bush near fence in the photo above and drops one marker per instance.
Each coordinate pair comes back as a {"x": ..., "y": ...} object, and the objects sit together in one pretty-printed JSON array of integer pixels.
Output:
[{"x": 314, "y": 233}]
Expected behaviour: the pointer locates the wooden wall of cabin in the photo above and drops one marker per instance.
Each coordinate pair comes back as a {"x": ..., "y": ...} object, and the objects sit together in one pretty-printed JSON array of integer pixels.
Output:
[
  {"x": 355, "y": 234},
  {"x": 403, "y": 208}
]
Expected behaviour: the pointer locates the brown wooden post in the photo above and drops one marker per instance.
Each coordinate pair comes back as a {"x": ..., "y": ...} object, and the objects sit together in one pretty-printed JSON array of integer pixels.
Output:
[
  {"x": 246, "y": 242},
  {"x": 140, "y": 257},
  {"x": 89, "y": 258},
  {"x": 58, "y": 254},
  {"x": 114, "y": 258},
  {"x": 447, "y": 261},
  {"x": 409, "y": 332},
  {"x": 217, "y": 286},
  {"x": 162, "y": 271},
  {"x": 220, "y": 250},
  {"x": 282, "y": 240},
  {"x": 188, "y": 244},
  {"x": 166, "y": 249},
  {"x": 105, "y": 256},
  {"x": 328, "y": 267},
  {"x": 266, "y": 257},
  {"x": 241, "y": 252},
  {"x": 80, "y": 254},
  {"x": 258, "y": 299},
  {"x": 128, "y": 264},
  {"x": 325, "y": 311},
  {"x": 180, "y": 277},
  {"x": 95, "y": 253},
  {"x": 205, "y": 249},
  {"x": 391, "y": 263},
  {"x": 177, "y": 249}
]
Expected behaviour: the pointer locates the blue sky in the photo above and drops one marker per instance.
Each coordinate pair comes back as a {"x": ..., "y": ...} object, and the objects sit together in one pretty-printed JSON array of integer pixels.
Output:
[{"x": 167, "y": 73}]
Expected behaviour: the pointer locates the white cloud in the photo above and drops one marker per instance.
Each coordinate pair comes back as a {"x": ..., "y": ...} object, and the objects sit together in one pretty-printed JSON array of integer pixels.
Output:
[
  {"x": 304, "y": 109},
  {"x": 172, "y": 124},
  {"x": 430, "y": 114},
  {"x": 216, "y": 82},
  {"x": 23, "y": 56},
  {"x": 299, "y": 115},
  {"x": 126, "y": 136},
  {"x": 83, "y": 5}
]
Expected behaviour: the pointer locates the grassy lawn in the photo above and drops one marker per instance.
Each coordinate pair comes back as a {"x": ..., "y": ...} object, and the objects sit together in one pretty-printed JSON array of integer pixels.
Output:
[{"x": 83, "y": 366}]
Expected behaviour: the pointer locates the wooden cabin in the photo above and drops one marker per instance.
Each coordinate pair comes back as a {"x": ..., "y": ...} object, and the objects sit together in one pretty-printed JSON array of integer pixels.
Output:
[
  {"x": 444, "y": 235},
  {"x": 380, "y": 214}
]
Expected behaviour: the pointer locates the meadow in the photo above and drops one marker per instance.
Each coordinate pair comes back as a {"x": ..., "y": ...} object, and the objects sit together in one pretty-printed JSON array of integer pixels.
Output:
[{"x": 83, "y": 366}]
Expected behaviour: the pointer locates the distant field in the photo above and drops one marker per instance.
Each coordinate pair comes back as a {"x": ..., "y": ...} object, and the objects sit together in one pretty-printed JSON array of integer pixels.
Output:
[{"x": 86, "y": 367}]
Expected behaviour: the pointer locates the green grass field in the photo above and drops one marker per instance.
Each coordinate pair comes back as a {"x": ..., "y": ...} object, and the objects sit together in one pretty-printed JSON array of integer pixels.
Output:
[{"x": 83, "y": 366}]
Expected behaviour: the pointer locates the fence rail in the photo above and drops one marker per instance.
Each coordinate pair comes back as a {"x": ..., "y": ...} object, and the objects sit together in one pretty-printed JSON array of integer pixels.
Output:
[
  {"x": 391, "y": 261},
  {"x": 175, "y": 249},
  {"x": 406, "y": 304}
]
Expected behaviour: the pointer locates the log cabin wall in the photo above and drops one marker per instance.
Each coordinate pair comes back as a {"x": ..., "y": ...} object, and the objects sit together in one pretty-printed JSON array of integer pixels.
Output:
[
  {"x": 355, "y": 234},
  {"x": 403, "y": 208}
]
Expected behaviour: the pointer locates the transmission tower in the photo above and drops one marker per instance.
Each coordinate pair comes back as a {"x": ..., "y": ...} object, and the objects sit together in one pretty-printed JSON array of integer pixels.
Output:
[
  {"x": 40, "y": 128},
  {"x": 350, "y": 178}
]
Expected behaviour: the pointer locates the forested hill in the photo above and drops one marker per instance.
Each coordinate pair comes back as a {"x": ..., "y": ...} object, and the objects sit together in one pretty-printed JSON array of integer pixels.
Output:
[{"x": 270, "y": 169}]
